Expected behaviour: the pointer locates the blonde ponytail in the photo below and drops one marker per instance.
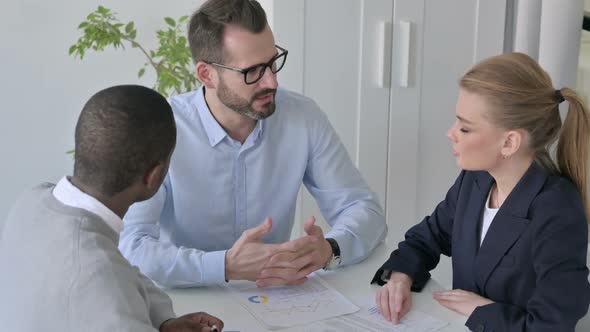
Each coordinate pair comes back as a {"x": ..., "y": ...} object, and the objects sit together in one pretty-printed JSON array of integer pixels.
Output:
[{"x": 572, "y": 148}]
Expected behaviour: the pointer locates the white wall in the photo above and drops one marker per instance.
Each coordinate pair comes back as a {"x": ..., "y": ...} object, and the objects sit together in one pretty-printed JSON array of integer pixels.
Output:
[
  {"x": 43, "y": 89},
  {"x": 268, "y": 6}
]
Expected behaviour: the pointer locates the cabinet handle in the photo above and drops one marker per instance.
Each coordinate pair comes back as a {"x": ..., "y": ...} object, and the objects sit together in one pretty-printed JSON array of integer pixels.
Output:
[
  {"x": 404, "y": 46},
  {"x": 384, "y": 55}
]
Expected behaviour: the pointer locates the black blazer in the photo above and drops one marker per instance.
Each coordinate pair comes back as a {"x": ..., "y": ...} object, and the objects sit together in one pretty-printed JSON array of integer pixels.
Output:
[{"x": 532, "y": 262}]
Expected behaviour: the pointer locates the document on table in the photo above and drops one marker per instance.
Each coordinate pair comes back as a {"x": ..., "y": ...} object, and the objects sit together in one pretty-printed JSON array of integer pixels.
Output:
[
  {"x": 282, "y": 307},
  {"x": 371, "y": 320}
]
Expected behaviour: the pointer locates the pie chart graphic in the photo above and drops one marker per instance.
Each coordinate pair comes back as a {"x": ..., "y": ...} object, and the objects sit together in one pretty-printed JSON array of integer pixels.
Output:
[{"x": 258, "y": 299}]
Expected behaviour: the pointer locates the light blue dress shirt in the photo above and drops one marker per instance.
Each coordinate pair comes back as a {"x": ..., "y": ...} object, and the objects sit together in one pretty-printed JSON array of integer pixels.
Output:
[{"x": 217, "y": 188}]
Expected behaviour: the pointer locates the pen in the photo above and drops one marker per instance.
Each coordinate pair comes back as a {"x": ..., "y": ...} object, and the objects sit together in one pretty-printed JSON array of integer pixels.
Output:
[{"x": 214, "y": 328}]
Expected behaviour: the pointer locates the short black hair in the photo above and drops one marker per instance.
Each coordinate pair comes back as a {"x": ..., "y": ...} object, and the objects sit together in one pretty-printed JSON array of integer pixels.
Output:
[
  {"x": 122, "y": 131},
  {"x": 207, "y": 25}
]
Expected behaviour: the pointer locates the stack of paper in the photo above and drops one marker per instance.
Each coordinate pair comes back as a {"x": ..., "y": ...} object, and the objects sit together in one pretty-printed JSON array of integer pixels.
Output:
[
  {"x": 371, "y": 320},
  {"x": 282, "y": 307}
]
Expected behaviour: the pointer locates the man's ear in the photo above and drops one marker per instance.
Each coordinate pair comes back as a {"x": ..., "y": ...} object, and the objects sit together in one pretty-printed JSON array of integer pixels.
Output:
[
  {"x": 512, "y": 142},
  {"x": 206, "y": 74},
  {"x": 154, "y": 176}
]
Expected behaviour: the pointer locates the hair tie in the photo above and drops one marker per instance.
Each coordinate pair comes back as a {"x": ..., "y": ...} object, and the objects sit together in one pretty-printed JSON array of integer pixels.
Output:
[{"x": 559, "y": 97}]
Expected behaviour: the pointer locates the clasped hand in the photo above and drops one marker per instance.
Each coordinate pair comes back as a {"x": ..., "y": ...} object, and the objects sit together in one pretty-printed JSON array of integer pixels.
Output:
[{"x": 287, "y": 263}]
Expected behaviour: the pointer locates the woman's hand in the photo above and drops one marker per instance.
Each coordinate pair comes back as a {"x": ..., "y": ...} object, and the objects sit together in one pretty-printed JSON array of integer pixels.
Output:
[
  {"x": 394, "y": 300},
  {"x": 461, "y": 301}
]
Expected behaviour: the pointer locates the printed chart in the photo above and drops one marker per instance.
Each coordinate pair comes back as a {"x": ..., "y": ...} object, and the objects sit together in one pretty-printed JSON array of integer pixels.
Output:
[
  {"x": 282, "y": 307},
  {"x": 370, "y": 320}
]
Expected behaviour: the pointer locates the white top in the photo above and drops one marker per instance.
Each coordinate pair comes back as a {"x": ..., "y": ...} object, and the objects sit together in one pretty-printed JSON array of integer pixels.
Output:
[
  {"x": 488, "y": 217},
  {"x": 66, "y": 193}
]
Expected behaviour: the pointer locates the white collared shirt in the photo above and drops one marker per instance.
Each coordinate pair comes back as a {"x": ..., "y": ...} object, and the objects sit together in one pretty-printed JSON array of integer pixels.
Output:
[{"x": 68, "y": 194}]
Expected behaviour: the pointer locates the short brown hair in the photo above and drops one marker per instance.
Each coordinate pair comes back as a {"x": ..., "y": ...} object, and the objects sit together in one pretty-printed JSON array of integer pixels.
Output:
[{"x": 207, "y": 25}]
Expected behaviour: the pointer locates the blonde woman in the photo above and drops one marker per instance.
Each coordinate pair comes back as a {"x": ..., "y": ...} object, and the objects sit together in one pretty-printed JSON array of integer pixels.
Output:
[{"x": 514, "y": 221}]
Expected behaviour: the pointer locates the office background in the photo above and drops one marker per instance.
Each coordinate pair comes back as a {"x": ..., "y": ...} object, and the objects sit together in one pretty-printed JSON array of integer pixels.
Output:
[{"x": 381, "y": 122}]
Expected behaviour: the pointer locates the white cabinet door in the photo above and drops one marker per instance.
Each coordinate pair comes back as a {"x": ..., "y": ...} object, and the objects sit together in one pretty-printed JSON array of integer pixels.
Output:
[
  {"x": 385, "y": 72},
  {"x": 446, "y": 38},
  {"x": 333, "y": 48}
]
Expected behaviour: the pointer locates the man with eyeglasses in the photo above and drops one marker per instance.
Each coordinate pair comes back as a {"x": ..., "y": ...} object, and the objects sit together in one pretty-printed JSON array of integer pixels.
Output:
[{"x": 226, "y": 209}]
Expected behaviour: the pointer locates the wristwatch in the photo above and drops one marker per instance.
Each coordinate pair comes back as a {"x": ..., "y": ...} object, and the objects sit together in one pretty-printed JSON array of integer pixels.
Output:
[{"x": 334, "y": 260}]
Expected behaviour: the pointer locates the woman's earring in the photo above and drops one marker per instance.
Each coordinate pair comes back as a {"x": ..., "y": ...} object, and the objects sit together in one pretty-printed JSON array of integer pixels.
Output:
[{"x": 505, "y": 156}]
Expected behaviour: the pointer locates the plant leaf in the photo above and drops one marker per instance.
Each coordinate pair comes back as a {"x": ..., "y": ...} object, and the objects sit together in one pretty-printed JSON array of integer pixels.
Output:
[
  {"x": 103, "y": 10},
  {"x": 170, "y": 21},
  {"x": 129, "y": 27}
]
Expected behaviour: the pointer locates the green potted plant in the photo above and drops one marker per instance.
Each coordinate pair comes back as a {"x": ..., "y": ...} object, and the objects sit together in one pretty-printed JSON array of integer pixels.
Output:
[{"x": 171, "y": 61}]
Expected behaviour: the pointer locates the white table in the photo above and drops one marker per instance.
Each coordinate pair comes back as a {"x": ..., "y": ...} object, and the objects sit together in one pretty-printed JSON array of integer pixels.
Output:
[{"x": 351, "y": 281}]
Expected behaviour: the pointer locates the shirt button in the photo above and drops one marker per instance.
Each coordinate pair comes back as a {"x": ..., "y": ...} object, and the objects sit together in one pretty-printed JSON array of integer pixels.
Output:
[{"x": 480, "y": 328}]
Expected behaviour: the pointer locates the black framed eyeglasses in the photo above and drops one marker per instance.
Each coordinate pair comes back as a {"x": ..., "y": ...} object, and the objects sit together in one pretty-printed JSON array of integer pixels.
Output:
[{"x": 254, "y": 73}]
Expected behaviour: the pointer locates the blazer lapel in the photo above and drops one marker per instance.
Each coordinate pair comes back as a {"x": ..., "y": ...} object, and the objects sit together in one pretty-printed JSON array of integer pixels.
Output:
[
  {"x": 467, "y": 231},
  {"x": 509, "y": 223},
  {"x": 501, "y": 235}
]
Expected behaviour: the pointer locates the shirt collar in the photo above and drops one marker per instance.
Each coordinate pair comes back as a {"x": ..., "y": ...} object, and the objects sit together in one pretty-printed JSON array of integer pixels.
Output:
[
  {"x": 256, "y": 134},
  {"x": 68, "y": 194},
  {"x": 213, "y": 129}
]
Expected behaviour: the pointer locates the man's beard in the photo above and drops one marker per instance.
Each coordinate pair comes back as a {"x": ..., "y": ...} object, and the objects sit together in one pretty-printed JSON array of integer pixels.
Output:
[{"x": 243, "y": 106}]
